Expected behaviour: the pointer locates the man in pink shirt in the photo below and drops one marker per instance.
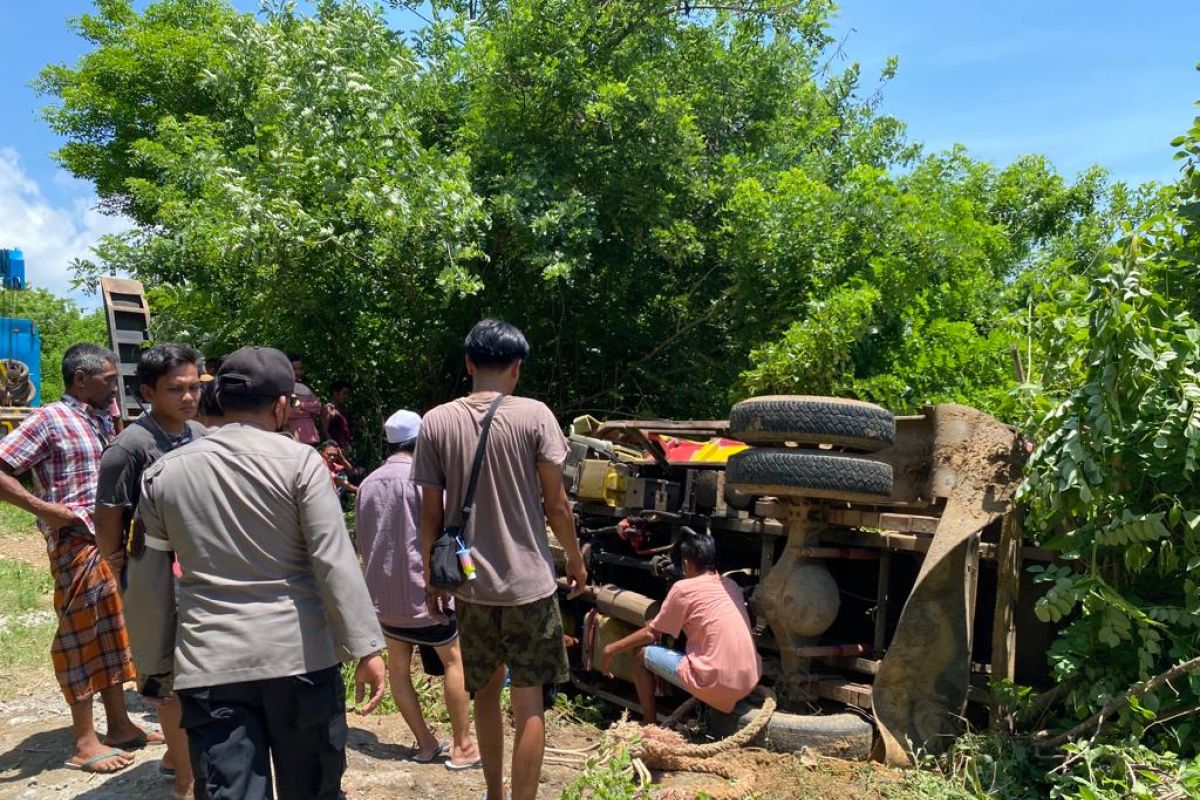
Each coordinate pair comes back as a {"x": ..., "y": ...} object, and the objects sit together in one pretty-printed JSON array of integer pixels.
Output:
[
  {"x": 721, "y": 665},
  {"x": 388, "y": 516}
]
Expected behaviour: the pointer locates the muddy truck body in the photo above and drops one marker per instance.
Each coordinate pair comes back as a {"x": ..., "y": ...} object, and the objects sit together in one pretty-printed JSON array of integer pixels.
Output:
[{"x": 880, "y": 557}]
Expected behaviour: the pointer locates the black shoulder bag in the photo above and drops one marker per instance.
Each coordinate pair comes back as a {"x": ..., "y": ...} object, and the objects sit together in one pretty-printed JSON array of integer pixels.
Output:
[{"x": 445, "y": 571}]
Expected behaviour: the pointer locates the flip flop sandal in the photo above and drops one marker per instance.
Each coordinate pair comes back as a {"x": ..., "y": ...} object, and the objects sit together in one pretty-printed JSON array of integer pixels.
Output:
[
  {"x": 442, "y": 748},
  {"x": 90, "y": 764},
  {"x": 137, "y": 742},
  {"x": 476, "y": 764}
]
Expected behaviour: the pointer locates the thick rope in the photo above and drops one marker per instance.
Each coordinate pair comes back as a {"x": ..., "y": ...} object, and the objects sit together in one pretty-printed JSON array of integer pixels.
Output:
[
  {"x": 672, "y": 745},
  {"x": 659, "y": 748}
]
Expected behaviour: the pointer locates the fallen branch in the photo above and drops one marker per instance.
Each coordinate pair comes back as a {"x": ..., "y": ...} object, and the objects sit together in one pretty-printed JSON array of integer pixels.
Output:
[
  {"x": 1116, "y": 704},
  {"x": 1042, "y": 703}
]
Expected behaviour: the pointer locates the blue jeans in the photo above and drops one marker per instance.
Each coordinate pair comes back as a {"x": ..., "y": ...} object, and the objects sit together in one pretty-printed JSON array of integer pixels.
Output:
[{"x": 664, "y": 663}]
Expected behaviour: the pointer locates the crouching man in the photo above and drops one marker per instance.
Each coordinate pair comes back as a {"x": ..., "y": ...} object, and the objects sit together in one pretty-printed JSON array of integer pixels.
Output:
[
  {"x": 271, "y": 596},
  {"x": 721, "y": 665}
]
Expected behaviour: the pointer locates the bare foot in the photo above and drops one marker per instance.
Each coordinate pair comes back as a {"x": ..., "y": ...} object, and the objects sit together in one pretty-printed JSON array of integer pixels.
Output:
[
  {"x": 464, "y": 755},
  {"x": 132, "y": 738},
  {"x": 182, "y": 792},
  {"x": 430, "y": 751}
]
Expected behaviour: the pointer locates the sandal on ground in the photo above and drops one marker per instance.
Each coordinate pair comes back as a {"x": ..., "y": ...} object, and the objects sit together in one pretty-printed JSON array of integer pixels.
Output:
[
  {"x": 443, "y": 747},
  {"x": 137, "y": 742},
  {"x": 453, "y": 767},
  {"x": 89, "y": 765},
  {"x": 163, "y": 769}
]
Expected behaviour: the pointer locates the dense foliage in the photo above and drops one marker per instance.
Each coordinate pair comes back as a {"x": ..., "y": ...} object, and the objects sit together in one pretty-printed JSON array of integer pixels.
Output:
[
  {"x": 1113, "y": 484},
  {"x": 679, "y": 207}
]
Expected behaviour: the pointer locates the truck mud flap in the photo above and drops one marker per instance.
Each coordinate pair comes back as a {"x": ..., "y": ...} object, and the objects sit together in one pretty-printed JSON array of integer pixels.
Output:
[{"x": 920, "y": 691}]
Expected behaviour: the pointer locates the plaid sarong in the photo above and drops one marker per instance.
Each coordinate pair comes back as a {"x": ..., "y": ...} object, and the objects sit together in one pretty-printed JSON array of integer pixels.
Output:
[{"x": 91, "y": 648}]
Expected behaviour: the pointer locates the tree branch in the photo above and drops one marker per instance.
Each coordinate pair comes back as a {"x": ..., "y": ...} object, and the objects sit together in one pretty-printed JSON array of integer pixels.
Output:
[
  {"x": 1036, "y": 710},
  {"x": 1114, "y": 705}
]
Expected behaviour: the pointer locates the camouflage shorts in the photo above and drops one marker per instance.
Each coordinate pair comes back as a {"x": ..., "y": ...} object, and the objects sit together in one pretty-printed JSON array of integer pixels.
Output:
[{"x": 527, "y": 639}]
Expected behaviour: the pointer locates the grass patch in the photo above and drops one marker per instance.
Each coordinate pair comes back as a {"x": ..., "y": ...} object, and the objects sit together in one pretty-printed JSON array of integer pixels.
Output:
[
  {"x": 15, "y": 521},
  {"x": 23, "y": 587},
  {"x": 574, "y": 707},
  {"x": 27, "y": 624}
]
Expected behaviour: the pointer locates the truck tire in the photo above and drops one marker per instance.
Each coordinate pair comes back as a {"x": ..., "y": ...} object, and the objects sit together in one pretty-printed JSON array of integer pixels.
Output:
[
  {"x": 844, "y": 735},
  {"x": 778, "y": 419},
  {"x": 785, "y": 472}
]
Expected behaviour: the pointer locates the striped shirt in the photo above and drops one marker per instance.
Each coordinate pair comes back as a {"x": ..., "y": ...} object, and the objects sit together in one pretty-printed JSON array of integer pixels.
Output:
[
  {"x": 61, "y": 443},
  {"x": 387, "y": 534}
]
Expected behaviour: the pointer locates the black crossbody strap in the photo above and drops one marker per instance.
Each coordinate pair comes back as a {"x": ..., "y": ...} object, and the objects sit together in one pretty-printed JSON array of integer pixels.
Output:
[{"x": 480, "y": 449}]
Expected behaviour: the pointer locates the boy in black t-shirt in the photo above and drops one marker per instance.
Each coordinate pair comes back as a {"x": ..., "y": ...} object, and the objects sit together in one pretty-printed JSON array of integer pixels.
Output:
[{"x": 169, "y": 380}]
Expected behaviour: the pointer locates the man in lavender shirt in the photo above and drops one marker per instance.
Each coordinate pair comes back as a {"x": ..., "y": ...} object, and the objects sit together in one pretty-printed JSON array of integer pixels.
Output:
[{"x": 388, "y": 537}]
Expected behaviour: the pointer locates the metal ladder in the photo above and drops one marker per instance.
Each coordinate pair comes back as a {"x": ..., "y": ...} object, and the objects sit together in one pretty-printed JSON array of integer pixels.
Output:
[{"x": 128, "y": 316}]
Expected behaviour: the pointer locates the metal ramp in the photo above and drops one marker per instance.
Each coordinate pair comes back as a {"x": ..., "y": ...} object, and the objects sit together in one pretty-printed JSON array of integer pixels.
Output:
[{"x": 128, "y": 316}]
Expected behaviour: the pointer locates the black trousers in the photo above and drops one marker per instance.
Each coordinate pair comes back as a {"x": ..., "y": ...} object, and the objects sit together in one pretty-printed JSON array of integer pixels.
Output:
[{"x": 237, "y": 731}]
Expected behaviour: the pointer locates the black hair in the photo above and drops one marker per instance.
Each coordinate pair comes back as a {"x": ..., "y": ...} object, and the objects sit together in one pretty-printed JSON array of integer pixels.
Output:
[
  {"x": 294, "y": 357},
  {"x": 328, "y": 443},
  {"x": 91, "y": 358},
  {"x": 698, "y": 548},
  {"x": 245, "y": 403},
  {"x": 161, "y": 359},
  {"x": 401, "y": 447},
  {"x": 338, "y": 385},
  {"x": 208, "y": 405},
  {"x": 495, "y": 343}
]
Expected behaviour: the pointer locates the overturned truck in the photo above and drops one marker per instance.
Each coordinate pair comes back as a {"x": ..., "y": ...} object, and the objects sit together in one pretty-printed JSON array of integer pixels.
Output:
[{"x": 880, "y": 558}]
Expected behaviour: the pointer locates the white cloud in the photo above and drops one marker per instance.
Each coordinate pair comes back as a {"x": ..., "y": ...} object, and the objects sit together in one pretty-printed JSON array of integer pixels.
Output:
[{"x": 51, "y": 236}]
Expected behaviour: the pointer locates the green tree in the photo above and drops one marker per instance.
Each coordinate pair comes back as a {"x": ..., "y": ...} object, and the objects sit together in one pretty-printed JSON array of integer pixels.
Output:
[
  {"x": 293, "y": 204},
  {"x": 936, "y": 249},
  {"x": 678, "y": 205},
  {"x": 1112, "y": 485},
  {"x": 143, "y": 67}
]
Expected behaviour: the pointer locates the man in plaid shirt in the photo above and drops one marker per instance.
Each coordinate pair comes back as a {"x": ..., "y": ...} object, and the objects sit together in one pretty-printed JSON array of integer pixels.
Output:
[{"x": 61, "y": 445}]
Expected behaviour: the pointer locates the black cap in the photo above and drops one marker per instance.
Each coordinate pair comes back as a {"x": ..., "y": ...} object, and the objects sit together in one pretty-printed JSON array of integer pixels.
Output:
[{"x": 261, "y": 371}]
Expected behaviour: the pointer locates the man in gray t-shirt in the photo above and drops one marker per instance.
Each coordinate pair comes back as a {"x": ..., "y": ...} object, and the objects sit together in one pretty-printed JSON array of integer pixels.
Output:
[{"x": 508, "y": 616}]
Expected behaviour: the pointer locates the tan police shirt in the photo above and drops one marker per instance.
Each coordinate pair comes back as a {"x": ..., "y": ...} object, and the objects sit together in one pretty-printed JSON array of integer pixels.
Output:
[
  {"x": 507, "y": 529},
  {"x": 271, "y": 585}
]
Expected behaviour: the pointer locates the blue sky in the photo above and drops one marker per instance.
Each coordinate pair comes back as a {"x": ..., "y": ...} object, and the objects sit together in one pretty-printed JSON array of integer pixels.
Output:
[{"x": 1105, "y": 82}]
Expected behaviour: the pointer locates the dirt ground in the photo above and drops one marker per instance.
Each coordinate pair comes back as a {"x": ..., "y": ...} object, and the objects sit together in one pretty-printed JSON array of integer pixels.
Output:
[{"x": 35, "y": 740}]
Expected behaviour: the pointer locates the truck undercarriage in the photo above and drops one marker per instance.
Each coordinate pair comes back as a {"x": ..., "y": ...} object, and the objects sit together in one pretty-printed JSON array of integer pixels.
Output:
[{"x": 878, "y": 555}]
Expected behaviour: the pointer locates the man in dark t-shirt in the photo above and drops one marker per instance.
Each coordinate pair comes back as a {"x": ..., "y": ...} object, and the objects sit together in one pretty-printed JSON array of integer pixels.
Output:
[
  {"x": 169, "y": 380},
  {"x": 335, "y": 420}
]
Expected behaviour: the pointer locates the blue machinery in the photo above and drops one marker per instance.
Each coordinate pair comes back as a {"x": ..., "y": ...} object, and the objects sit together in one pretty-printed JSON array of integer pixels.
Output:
[{"x": 20, "y": 348}]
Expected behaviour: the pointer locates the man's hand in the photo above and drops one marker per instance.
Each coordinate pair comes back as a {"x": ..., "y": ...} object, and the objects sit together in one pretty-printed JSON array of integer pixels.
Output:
[
  {"x": 577, "y": 576},
  {"x": 57, "y": 516},
  {"x": 370, "y": 673},
  {"x": 436, "y": 600}
]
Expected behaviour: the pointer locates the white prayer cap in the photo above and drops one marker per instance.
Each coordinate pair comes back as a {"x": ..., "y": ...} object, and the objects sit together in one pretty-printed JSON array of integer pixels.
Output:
[{"x": 402, "y": 427}]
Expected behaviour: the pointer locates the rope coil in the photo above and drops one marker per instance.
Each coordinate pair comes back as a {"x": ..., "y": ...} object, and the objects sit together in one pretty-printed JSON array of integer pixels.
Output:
[{"x": 655, "y": 747}]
